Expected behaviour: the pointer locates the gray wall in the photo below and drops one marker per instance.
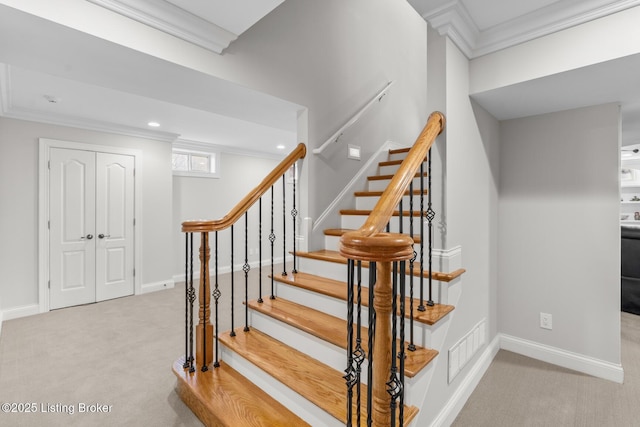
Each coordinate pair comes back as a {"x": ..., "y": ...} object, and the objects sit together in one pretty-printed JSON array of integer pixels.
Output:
[
  {"x": 559, "y": 246},
  {"x": 19, "y": 198}
]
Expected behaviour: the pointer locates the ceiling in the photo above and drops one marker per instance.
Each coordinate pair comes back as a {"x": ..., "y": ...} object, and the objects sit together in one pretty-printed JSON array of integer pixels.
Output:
[{"x": 79, "y": 82}]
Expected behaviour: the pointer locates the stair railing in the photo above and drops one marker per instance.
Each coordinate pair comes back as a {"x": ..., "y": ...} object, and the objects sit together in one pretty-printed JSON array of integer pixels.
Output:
[
  {"x": 206, "y": 339},
  {"x": 387, "y": 254}
]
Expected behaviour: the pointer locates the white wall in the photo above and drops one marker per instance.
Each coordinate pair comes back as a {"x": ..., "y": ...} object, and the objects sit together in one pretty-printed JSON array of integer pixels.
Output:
[
  {"x": 471, "y": 195},
  {"x": 19, "y": 198},
  {"x": 559, "y": 246},
  {"x": 213, "y": 198},
  {"x": 330, "y": 56}
]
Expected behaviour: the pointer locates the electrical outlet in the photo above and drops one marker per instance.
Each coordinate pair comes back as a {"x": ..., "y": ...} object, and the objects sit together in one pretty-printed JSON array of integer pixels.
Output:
[{"x": 546, "y": 321}]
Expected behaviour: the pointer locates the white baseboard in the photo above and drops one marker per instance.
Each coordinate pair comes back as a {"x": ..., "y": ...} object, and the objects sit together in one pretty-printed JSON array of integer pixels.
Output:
[
  {"x": 1, "y": 323},
  {"x": 157, "y": 286},
  {"x": 22, "y": 311},
  {"x": 566, "y": 359},
  {"x": 453, "y": 407}
]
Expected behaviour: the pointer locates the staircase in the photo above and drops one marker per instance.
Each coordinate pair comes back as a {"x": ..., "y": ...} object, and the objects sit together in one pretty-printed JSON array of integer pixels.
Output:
[{"x": 288, "y": 369}]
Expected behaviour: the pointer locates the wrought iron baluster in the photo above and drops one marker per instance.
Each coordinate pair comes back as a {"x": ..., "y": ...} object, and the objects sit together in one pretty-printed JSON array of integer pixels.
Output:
[
  {"x": 358, "y": 353},
  {"x": 430, "y": 216},
  {"x": 284, "y": 227},
  {"x": 190, "y": 297},
  {"x": 294, "y": 214},
  {"x": 205, "y": 291},
  {"x": 233, "y": 330},
  {"x": 260, "y": 301},
  {"x": 421, "y": 306},
  {"x": 412, "y": 346},
  {"x": 372, "y": 332},
  {"x": 401, "y": 354},
  {"x": 246, "y": 267},
  {"x": 272, "y": 239},
  {"x": 350, "y": 375},
  {"x": 392, "y": 385},
  {"x": 216, "y": 298}
]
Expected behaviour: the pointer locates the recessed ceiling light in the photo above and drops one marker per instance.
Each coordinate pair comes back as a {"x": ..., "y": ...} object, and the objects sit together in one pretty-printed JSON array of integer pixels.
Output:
[
  {"x": 280, "y": 146},
  {"x": 153, "y": 124}
]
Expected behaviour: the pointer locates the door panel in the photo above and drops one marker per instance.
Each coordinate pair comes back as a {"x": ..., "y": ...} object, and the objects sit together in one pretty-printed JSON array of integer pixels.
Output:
[
  {"x": 72, "y": 225},
  {"x": 114, "y": 226}
]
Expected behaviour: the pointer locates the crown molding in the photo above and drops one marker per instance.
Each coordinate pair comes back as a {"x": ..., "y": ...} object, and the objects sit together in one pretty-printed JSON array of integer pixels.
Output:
[
  {"x": 454, "y": 21},
  {"x": 172, "y": 20}
]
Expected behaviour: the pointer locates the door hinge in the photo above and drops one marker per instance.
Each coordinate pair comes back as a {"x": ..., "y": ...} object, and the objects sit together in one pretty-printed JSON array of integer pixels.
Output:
[
  {"x": 134, "y": 222},
  {"x": 49, "y": 284},
  {"x": 49, "y": 164},
  {"x": 134, "y": 272},
  {"x": 48, "y": 225}
]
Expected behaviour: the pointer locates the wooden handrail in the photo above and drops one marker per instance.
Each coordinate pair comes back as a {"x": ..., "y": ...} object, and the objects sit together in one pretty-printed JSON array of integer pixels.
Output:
[
  {"x": 243, "y": 205},
  {"x": 353, "y": 243}
]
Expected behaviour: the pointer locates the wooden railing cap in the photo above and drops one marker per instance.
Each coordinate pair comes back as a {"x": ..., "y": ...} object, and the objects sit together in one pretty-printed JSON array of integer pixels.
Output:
[{"x": 379, "y": 247}]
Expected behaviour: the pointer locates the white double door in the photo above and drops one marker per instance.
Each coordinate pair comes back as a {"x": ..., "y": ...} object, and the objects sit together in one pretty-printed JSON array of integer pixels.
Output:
[{"x": 91, "y": 226}]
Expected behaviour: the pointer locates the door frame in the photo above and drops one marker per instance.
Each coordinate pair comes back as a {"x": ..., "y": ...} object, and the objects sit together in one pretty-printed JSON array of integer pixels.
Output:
[{"x": 45, "y": 145}]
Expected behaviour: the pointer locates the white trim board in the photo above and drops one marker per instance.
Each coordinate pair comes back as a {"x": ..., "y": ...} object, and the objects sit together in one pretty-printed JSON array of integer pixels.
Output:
[
  {"x": 18, "y": 312},
  {"x": 566, "y": 359},
  {"x": 157, "y": 286},
  {"x": 45, "y": 145}
]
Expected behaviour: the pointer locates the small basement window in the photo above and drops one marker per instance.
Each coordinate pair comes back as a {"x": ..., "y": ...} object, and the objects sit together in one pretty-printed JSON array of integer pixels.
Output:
[{"x": 186, "y": 162}]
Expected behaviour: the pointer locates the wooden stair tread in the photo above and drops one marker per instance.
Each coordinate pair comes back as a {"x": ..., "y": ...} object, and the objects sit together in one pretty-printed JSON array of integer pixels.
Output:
[
  {"x": 341, "y": 231},
  {"x": 334, "y": 256},
  {"x": 367, "y": 212},
  {"x": 313, "y": 380},
  {"x": 383, "y": 177},
  {"x": 223, "y": 397},
  {"x": 337, "y": 289},
  {"x": 333, "y": 329},
  {"x": 399, "y": 150},
  {"x": 379, "y": 193},
  {"x": 394, "y": 162}
]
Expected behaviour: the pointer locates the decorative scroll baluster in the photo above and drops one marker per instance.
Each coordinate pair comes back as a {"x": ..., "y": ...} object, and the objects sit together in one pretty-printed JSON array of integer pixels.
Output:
[
  {"x": 246, "y": 267},
  {"x": 350, "y": 373},
  {"x": 284, "y": 227},
  {"x": 421, "y": 307},
  {"x": 216, "y": 298},
  {"x": 412, "y": 346},
  {"x": 294, "y": 214},
  {"x": 204, "y": 329},
  {"x": 233, "y": 329},
  {"x": 430, "y": 216},
  {"x": 190, "y": 297},
  {"x": 260, "y": 251},
  {"x": 272, "y": 239}
]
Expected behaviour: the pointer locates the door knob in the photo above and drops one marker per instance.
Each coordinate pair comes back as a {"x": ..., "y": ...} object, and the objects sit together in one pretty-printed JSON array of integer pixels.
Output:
[
  {"x": 89, "y": 237},
  {"x": 102, "y": 236}
]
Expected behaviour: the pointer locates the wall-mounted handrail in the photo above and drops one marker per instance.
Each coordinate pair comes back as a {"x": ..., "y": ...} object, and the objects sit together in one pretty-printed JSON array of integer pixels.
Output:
[
  {"x": 243, "y": 205},
  {"x": 336, "y": 136}
]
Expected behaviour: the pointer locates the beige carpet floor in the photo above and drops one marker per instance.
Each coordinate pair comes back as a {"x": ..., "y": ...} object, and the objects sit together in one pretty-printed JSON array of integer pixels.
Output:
[
  {"x": 519, "y": 391},
  {"x": 119, "y": 353}
]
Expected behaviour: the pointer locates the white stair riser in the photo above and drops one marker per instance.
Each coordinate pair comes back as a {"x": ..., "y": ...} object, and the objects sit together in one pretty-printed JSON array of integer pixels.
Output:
[
  {"x": 321, "y": 350},
  {"x": 369, "y": 202},
  {"x": 392, "y": 169},
  {"x": 381, "y": 184},
  {"x": 300, "y": 406},
  {"x": 397, "y": 156},
  {"x": 338, "y": 308},
  {"x": 353, "y": 222},
  {"x": 337, "y": 271}
]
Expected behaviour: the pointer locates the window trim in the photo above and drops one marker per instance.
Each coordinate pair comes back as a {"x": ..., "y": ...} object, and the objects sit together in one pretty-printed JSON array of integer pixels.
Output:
[{"x": 186, "y": 147}]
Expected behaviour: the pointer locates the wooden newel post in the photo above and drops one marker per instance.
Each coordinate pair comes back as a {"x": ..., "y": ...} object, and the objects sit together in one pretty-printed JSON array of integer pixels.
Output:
[
  {"x": 384, "y": 249},
  {"x": 204, "y": 329},
  {"x": 383, "y": 295}
]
